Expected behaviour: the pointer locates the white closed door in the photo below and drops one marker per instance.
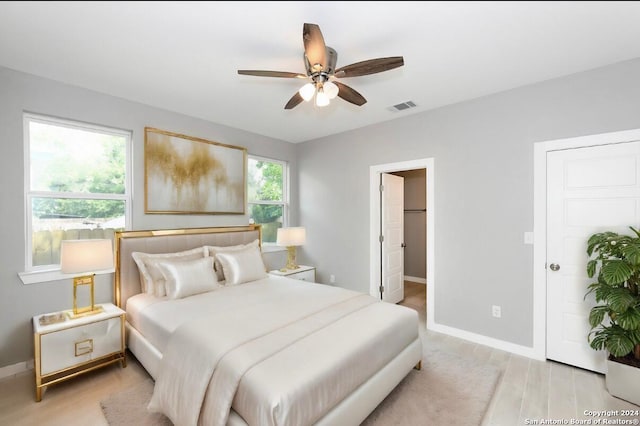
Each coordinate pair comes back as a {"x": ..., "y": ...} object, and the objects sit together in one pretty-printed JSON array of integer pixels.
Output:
[
  {"x": 392, "y": 223},
  {"x": 589, "y": 190}
]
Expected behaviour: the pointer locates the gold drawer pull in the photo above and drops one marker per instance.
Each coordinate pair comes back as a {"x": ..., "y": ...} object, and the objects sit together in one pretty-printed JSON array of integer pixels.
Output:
[{"x": 84, "y": 347}]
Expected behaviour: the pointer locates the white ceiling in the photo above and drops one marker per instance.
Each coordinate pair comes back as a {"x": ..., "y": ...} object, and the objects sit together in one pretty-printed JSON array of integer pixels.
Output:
[{"x": 183, "y": 56}]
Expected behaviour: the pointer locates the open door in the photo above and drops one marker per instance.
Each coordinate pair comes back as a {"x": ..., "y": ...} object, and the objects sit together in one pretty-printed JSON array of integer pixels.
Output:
[{"x": 392, "y": 237}]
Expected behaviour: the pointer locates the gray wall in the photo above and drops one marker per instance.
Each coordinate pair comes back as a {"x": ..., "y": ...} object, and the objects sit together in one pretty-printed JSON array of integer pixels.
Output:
[
  {"x": 415, "y": 222},
  {"x": 483, "y": 153},
  {"x": 20, "y": 93}
]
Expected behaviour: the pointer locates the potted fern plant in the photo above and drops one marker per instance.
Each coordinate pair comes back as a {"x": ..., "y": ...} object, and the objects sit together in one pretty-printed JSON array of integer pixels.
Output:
[{"x": 614, "y": 259}]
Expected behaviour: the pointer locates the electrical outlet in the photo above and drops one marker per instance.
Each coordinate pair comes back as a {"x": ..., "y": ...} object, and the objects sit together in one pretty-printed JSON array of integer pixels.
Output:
[
  {"x": 496, "y": 311},
  {"x": 332, "y": 279}
]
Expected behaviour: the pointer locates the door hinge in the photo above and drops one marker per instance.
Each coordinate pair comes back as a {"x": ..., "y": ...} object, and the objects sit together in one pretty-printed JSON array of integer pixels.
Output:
[
  {"x": 381, "y": 188},
  {"x": 381, "y": 238},
  {"x": 381, "y": 289}
]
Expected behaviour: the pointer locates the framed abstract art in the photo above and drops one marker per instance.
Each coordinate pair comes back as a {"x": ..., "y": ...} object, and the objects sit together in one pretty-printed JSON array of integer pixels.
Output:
[{"x": 189, "y": 175}]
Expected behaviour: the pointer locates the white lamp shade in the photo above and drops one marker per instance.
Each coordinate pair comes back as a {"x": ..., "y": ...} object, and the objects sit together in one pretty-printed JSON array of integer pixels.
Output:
[
  {"x": 330, "y": 89},
  {"x": 79, "y": 256},
  {"x": 307, "y": 91},
  {"x": 296, "y": 236},
  {"x": 322, "y": 99}
]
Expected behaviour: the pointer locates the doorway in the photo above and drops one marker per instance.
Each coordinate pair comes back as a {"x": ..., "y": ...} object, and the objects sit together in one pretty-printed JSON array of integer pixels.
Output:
[
  {"x": 577, "y": 182},
  {"x": 414, "y": 215},
  {"x": 429, "y": 217}
]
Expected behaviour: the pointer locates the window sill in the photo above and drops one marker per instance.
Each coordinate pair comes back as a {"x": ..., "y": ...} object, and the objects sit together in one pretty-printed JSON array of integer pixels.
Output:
[{"x": 36, "y": 277}]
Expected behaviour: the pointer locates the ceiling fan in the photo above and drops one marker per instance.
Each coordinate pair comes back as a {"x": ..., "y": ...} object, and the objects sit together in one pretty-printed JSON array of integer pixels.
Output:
[{"x": 320, "y": 63}]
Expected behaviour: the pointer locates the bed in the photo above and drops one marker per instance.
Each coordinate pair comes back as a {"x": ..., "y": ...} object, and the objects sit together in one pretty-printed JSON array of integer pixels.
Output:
[{"x": 251, "y": 348}]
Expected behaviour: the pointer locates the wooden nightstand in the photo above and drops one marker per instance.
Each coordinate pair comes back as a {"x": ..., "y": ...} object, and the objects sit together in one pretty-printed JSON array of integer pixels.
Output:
[
  {"x": 304, "y": 273},
  {"x": 75, "y": 346}
]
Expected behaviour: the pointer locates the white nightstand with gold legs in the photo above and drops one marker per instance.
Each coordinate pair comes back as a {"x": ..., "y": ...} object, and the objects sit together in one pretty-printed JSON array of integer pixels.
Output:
[
  {"x": 71, "y": 347},
  {"x": 302, "y": 272}
]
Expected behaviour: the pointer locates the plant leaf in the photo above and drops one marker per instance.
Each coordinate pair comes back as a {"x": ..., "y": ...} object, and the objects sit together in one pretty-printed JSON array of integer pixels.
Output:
[
  {"x": 596, "y": 316},
  {"x": 592, "y": 242},
  {"x": 618, "y": 343},
  {"x": 629, "y": 319},
  {"x": 634, "y": 335},
  {"x": 620, "y": 299},
  {"x": 631, "y": 253},
  {"x": 602, "y": 292},
  {"x": 596, "y": 241},
  {"x": 591, "y": 268},
  {"x": 599, "y": 339},
  {"x": 616, "y": 271}
]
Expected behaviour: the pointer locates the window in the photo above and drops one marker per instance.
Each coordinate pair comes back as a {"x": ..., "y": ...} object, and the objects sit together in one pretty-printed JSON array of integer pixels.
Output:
[
  {"x": 76, "y": 185},
  {"x": 268, "y": 195}
]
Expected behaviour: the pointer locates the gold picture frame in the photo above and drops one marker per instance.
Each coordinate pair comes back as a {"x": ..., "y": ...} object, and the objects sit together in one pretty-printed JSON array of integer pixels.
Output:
[{"x": 189, "y": 175}]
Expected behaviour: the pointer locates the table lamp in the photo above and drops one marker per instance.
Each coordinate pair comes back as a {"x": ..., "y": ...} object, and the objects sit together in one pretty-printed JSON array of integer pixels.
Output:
[
  {"x": 290, "y": 238},
  {"x": 85, "y": 257}
]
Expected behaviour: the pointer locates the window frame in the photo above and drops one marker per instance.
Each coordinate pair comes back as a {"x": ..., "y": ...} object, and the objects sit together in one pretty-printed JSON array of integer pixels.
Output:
[
  {"x": 285, "y": 194},
  {"x": 34, "y": 274}
]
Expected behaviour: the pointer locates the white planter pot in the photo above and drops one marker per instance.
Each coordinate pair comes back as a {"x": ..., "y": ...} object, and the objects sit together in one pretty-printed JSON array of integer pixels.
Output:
[{"x": 623, "y": 381}]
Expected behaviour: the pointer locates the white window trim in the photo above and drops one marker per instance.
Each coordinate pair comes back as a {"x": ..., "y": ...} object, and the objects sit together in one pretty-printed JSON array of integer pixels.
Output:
[
  {"x": 272, "y": 247},
  {"x": 38, "y": 274}
]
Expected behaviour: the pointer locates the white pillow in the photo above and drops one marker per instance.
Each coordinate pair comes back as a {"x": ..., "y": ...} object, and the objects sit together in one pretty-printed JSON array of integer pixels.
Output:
[
  {"x": 151, "y": 279},
  {"x": 242, "y": 266},
  {"x": 188, "y": 277},
  {"x": 214, "y": 250}
]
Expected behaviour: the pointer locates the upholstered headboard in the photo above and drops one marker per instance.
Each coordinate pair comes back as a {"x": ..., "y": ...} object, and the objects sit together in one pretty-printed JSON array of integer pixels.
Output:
[{"x": 127, "y": 277}]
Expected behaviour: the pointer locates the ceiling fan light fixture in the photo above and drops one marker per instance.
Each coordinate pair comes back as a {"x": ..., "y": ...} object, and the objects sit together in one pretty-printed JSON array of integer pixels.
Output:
[
  {"x": 320, "y": 65},
  {"x": 322, "y": 99},
  {"x": 330, "y": 89},
  {"x": 307, "y": 91}
]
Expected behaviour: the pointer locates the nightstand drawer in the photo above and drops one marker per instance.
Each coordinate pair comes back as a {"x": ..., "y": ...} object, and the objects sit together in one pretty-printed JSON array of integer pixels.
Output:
[
  {"x": 76, "y": 345},
  {"x": 309, "y": 275}
]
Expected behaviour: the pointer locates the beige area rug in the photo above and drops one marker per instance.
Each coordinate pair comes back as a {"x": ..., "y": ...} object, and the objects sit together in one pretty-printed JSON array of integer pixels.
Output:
[{"x": 449, "y": 390}]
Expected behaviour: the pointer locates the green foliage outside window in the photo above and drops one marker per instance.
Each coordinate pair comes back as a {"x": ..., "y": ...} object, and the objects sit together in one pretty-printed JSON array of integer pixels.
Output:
[
  {"x": 265, "y": 183},
  {"x": 77, "y": 185},
  {"x": 69, "y": 160}
]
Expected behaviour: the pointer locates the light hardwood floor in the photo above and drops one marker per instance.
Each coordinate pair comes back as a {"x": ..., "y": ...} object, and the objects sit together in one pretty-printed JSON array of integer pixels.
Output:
[{"x": 527, "y": 389}]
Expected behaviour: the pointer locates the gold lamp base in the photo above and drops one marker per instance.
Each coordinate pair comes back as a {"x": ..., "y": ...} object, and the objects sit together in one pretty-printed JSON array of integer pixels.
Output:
[
  {"x": 291, "y": 259},
  {"x": 83, "y": 311}
]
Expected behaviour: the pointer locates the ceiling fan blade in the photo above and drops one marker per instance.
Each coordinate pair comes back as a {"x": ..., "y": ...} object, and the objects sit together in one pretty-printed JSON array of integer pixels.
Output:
[
  {"x": 349, "y": 94},
  {"x": 314, "y": 47},
  {"x": 283, "y": 74},
  {"x": 294, "y": 101},
  {"x": 372, "y": 66}
]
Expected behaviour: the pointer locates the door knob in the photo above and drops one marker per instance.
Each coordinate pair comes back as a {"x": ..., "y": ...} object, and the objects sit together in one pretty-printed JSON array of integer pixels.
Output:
[{"x": 554, "y": 267}]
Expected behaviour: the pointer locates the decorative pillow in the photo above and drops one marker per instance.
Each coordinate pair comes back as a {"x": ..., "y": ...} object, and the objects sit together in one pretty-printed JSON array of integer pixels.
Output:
[
  {"x": 188, "y": 277},
  {"x": 151, "y": 279},
  {"x": 214, "y": 250},
  {"x": 242, "y": 266}
]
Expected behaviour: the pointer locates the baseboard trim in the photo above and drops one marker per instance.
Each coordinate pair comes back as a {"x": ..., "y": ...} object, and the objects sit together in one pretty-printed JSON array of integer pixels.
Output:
[
  {"x": 415, "y": 279},
  {"x": 487, "y": 341},
  {"x": 12, "y": 370}
]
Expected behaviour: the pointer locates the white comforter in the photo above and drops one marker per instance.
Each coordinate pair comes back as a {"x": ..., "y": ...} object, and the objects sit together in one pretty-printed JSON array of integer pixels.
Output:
[{"x": 282, "y": 352}]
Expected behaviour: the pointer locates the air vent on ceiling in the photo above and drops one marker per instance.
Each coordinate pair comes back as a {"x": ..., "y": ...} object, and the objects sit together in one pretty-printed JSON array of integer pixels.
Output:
[{"x": 403, "y": 106}]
